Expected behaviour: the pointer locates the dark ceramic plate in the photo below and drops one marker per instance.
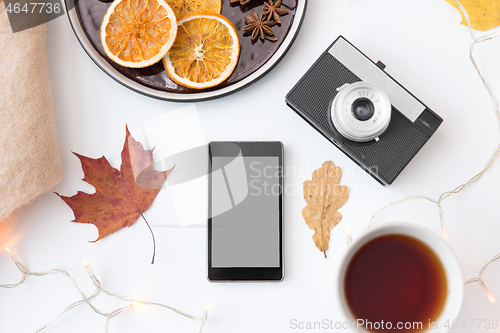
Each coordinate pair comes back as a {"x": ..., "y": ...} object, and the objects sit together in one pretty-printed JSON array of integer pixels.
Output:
[{"x": 256, "y": 58}]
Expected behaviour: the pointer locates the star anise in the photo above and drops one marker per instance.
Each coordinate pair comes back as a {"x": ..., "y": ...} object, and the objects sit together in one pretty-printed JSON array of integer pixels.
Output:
[
  {"x": 242, "y": 2},
  {"x": 273, "y": 11},
  {"x": 259, "y": 27}
]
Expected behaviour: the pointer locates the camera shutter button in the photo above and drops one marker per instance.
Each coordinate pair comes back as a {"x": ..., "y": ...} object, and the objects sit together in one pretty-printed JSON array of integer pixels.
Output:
[{"x": 343, "y": 86}]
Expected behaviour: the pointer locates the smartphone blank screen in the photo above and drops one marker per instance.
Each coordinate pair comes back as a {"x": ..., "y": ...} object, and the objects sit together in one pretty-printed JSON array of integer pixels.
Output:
[{"x": 246, "y": 212}]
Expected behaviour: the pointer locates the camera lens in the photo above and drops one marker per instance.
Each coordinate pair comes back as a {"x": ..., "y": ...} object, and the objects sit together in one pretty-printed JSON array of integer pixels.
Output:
[
  {"x": 357, "y": 117},
  {"x": 363, "y": 109}
]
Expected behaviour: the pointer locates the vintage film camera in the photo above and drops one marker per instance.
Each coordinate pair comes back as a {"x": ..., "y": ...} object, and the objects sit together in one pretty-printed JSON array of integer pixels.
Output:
[{"x": 363, "y": 111}]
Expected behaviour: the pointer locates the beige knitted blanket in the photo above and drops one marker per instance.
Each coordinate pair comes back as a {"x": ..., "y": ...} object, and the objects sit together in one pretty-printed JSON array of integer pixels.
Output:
[{"x": 30, "y": 163}]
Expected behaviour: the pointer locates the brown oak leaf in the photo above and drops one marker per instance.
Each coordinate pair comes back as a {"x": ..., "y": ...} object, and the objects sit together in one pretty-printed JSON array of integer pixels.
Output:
[
  {"x": 120, "y": 197},
  {"x": 324, "y": 196}
]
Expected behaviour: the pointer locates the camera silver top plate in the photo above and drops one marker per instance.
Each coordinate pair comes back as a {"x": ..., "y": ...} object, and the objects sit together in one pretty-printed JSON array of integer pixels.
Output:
[{"x": 367, "y": 71}]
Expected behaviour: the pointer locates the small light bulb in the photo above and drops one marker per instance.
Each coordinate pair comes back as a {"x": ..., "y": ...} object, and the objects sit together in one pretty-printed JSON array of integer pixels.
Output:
[
  {"x": 90, "y": 272},
  {"x": 348, "y": 234},
  {"x": 445, "y": 232},
  {"x": 208, "y": 307},
  {"x": 136, "y": 305},
  {"x": 11, "y": 254},
  {"x": 490, "y": 297}
]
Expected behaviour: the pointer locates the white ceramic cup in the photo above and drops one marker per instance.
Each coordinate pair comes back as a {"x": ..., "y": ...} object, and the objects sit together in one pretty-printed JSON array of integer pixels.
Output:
[{"x": 454, "y": 278}]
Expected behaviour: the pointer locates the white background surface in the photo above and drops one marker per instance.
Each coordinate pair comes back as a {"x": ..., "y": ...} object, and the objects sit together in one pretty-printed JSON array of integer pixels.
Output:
[{"x": 425, "y": 49}]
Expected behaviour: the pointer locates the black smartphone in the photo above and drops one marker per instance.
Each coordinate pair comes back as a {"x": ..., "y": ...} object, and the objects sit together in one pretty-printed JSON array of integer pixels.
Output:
[{"x": 245, "y": 211}]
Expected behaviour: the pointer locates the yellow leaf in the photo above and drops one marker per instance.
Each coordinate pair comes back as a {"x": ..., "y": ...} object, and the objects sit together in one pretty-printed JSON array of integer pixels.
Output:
[
  {"x": 324, "y": 196},
  {"x": 483, "y": 14}
]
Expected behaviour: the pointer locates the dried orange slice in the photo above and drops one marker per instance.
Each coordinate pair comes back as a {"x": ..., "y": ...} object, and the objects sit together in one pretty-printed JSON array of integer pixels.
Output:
[
  {"x": 205, "y": 52},
  {"x": 138, "y": 33},
  {"x": 184, "y": 8}
]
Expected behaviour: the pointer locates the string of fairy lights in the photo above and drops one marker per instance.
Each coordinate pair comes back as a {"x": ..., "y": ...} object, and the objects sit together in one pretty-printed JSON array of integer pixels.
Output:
[
  {"x": 444, "y": 230},
  {"x": 133, "y": 304},
  {"x": 480, "y": 281}
]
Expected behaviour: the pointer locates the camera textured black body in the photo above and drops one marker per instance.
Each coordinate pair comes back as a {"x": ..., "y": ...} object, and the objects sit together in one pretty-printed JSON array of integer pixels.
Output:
[{"x": 384, "y": 159}]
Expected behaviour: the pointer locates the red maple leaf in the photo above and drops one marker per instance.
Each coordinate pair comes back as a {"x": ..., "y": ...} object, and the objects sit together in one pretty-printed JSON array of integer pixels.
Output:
[{"x": 120, "y": 197}]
